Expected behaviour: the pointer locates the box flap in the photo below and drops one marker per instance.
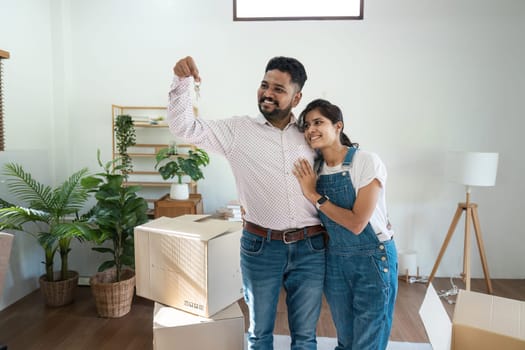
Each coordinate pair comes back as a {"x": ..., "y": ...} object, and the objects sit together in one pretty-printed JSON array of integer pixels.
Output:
[
  {"x": 436, "y": 320},
  {"x": 200, "y": 227},
  {"x": 192, "y": 217},
  {"x": 231, "y": 311},
  {"x": 522, "y": 323},
  {"x": 165, "y": 316},
  {"x": 490, "y": 313}
]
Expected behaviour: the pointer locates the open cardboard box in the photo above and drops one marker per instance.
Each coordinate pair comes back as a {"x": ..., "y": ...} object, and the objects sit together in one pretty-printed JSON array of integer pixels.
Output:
[
  {"x": 175, "y": 329},
  {"x": 189, "y": 262},
  {"x": 480, "y": 322}
]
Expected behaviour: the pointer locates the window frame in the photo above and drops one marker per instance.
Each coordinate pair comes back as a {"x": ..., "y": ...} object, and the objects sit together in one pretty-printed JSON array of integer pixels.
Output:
[
  {"x": 3, "y": 56},
  {"x": 237, "y": 18}
]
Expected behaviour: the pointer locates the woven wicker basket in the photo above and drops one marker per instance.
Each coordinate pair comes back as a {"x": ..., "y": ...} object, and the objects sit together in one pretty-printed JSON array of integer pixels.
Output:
[
  {"x": 59, "y": 293},
  {"x": 113, "y": 299}
]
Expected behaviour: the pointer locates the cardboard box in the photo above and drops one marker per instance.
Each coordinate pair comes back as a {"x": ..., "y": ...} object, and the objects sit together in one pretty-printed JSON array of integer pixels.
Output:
[
  {"x": 480, "y": 322},
  {"x": 176, "y": 329},
  {"x": 189, "y": 262}
]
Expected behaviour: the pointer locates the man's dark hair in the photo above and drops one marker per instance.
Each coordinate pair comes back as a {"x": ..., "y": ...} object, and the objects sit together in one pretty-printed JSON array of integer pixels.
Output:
[{"x": 291, "y": 66}]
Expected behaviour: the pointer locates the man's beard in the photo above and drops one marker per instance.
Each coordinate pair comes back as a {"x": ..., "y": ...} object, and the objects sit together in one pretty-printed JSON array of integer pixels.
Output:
[{"x": 277, "y": 114}]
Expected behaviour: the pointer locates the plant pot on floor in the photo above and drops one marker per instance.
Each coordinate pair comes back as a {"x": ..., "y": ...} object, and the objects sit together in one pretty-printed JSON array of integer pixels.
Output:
[
  {"x": 59, "y": 293},
  {"x": 113, "y": 299}
]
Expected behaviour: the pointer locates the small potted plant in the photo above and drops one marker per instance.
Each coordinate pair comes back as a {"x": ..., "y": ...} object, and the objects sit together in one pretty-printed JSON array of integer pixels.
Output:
[
  {"x": 54, "y": 215},
  {"x": 116, "y": 213},
  {"x": 174, "y": 164}
]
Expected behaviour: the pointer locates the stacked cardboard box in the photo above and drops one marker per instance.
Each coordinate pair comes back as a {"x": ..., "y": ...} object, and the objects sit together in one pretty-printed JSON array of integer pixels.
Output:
[
  {"x": 190, "y": 264},
  {"x": 175, "y": 329}
]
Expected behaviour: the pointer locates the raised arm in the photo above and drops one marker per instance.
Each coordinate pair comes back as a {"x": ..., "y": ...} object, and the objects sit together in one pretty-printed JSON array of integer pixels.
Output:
[{"x": 215, "y": 136}]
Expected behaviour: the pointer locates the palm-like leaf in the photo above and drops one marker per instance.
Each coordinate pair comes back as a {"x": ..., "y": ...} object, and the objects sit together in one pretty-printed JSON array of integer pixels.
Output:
[
  {"x": 15, "y": 217},
  {"x": 47, "y": 241},
  {"x": 26, "y": 188},
  {"x": 71, "y": 230},
  {"x": 47, "y": 206},
  {"x": 70, "y": 197}
]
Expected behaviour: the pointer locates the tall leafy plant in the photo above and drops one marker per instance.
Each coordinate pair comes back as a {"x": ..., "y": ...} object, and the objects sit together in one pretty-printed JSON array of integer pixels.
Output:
[
  {"x": 116, "y": 213},
  {"x": 126, "y": 137},
  {"x": 53, "y": 211}
]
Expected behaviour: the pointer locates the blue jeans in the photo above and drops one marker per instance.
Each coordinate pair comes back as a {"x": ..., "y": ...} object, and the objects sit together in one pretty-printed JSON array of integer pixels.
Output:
[
  {"x": 266, "y": 265},
  {"x": 361, "y": 288},
  {"x": 361, "y": 273}
]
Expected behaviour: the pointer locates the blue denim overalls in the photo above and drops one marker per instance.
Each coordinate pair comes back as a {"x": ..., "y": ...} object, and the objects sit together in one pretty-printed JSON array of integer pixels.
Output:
[{"x": 361, "y": 273}]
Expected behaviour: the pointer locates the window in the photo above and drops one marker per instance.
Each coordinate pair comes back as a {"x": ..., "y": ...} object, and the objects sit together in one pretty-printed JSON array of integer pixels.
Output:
[
  {"x": 293, "y": 10},
  {"x": 3, "y": 55}
]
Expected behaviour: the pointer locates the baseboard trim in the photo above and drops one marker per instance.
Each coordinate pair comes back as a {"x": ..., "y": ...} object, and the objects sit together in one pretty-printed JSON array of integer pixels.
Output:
[{"x": 83, "y": 281}]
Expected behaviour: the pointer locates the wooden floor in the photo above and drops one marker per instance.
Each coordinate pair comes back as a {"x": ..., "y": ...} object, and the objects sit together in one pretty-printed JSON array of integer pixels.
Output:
[{"x": 29, "y": 324}]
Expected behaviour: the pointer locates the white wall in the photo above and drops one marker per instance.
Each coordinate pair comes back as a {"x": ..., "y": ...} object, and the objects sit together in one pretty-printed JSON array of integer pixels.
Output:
[
  {"x": 414, "y": 79},
  {"x": 28, "y": 104}
]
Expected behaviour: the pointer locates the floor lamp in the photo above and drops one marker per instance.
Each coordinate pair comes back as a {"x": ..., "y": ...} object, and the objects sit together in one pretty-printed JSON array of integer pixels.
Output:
[{"x": 470, "y": 169}]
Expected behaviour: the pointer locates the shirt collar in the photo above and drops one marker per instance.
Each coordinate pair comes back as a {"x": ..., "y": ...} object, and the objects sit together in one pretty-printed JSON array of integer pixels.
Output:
[{"x": 262, "y": 120}]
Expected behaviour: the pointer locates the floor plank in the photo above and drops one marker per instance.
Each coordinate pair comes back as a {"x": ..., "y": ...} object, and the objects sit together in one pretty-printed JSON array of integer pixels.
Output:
[{"x": 30, "y": 325}]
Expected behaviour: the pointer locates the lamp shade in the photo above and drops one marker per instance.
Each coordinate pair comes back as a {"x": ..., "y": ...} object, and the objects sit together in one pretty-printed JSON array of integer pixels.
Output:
[{"x": 473, "y": 168}]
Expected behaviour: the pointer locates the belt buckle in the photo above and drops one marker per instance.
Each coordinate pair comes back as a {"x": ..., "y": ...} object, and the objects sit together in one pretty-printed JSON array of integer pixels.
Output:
[{"x": 285, "y": 232}]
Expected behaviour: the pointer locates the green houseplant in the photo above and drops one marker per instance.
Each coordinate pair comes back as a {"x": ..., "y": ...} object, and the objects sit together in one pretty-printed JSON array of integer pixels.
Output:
[
  {"x": 117, "y": 211},
  {"x": 53, "y": 213},
  {"x": 171, "y": 164},
  {"x": 126, "y": 137}
]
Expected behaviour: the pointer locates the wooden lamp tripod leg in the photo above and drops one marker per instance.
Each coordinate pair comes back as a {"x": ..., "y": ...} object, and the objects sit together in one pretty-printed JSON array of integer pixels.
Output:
[
  {"x": 450, "y": 232},
  {"x": 466, "y": 247},
  {"x": 477, "y": 230}
]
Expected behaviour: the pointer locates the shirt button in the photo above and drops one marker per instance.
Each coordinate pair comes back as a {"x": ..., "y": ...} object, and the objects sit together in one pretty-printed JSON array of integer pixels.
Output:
[
  {"x": 383, "y": 258},
  {"x": 385, "y": 270},
  {"x": 382, "y": 247}
]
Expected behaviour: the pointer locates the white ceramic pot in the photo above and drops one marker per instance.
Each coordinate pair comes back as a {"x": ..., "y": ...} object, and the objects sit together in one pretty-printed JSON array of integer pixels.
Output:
[{"x": 179, "y": 191}]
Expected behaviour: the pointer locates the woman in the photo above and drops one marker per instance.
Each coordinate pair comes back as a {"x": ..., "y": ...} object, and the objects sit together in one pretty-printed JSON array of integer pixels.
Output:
[{"x": 348, "y": 189}]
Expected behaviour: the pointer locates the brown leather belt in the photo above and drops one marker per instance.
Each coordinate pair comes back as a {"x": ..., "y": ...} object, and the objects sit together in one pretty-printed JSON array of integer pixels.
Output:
[{"x": 287, "y": 236}]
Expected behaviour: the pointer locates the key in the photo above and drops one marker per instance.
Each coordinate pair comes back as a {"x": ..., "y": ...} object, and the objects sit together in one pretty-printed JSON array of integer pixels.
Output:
[{"x": 197, "y": 88}]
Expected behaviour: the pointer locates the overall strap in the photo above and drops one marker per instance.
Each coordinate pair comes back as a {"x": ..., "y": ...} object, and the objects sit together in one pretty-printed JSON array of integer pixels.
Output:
[
  {"x": 318, "y": 162},
  {"x": 349, "y": 156},
  {"x": 348, "y": 159}
]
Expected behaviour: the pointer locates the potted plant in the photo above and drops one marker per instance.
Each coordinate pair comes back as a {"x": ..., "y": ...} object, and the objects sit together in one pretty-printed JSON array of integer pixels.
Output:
[
  {"x": 126, "y": 137},
  {"x": 175, "y": 164},
  {"x": 117, "y": 211},
  {"x": 54, "y": 214}
]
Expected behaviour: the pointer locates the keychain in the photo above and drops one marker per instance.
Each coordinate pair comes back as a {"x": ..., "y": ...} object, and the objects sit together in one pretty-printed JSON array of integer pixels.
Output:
[{"x": 197, "y": 89}]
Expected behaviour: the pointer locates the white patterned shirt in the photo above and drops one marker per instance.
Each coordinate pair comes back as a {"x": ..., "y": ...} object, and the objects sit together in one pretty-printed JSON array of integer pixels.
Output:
[{"x": 261, "y": 157}]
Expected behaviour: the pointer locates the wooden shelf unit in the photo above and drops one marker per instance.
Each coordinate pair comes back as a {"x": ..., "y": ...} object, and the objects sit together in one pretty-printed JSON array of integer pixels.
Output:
[{"x": 150, "y": 138}]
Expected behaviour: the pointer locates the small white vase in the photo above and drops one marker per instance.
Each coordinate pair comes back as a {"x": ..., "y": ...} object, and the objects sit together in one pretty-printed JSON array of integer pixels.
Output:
[{"x": 179, "y": 191}]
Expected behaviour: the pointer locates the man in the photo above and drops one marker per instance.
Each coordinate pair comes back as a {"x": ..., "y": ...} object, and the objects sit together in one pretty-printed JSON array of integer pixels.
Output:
[{"x": 282, "y": 242}]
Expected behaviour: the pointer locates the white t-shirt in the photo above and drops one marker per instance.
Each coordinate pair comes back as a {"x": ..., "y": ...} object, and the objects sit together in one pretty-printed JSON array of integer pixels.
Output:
[{"x": 365, "y": 167}]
